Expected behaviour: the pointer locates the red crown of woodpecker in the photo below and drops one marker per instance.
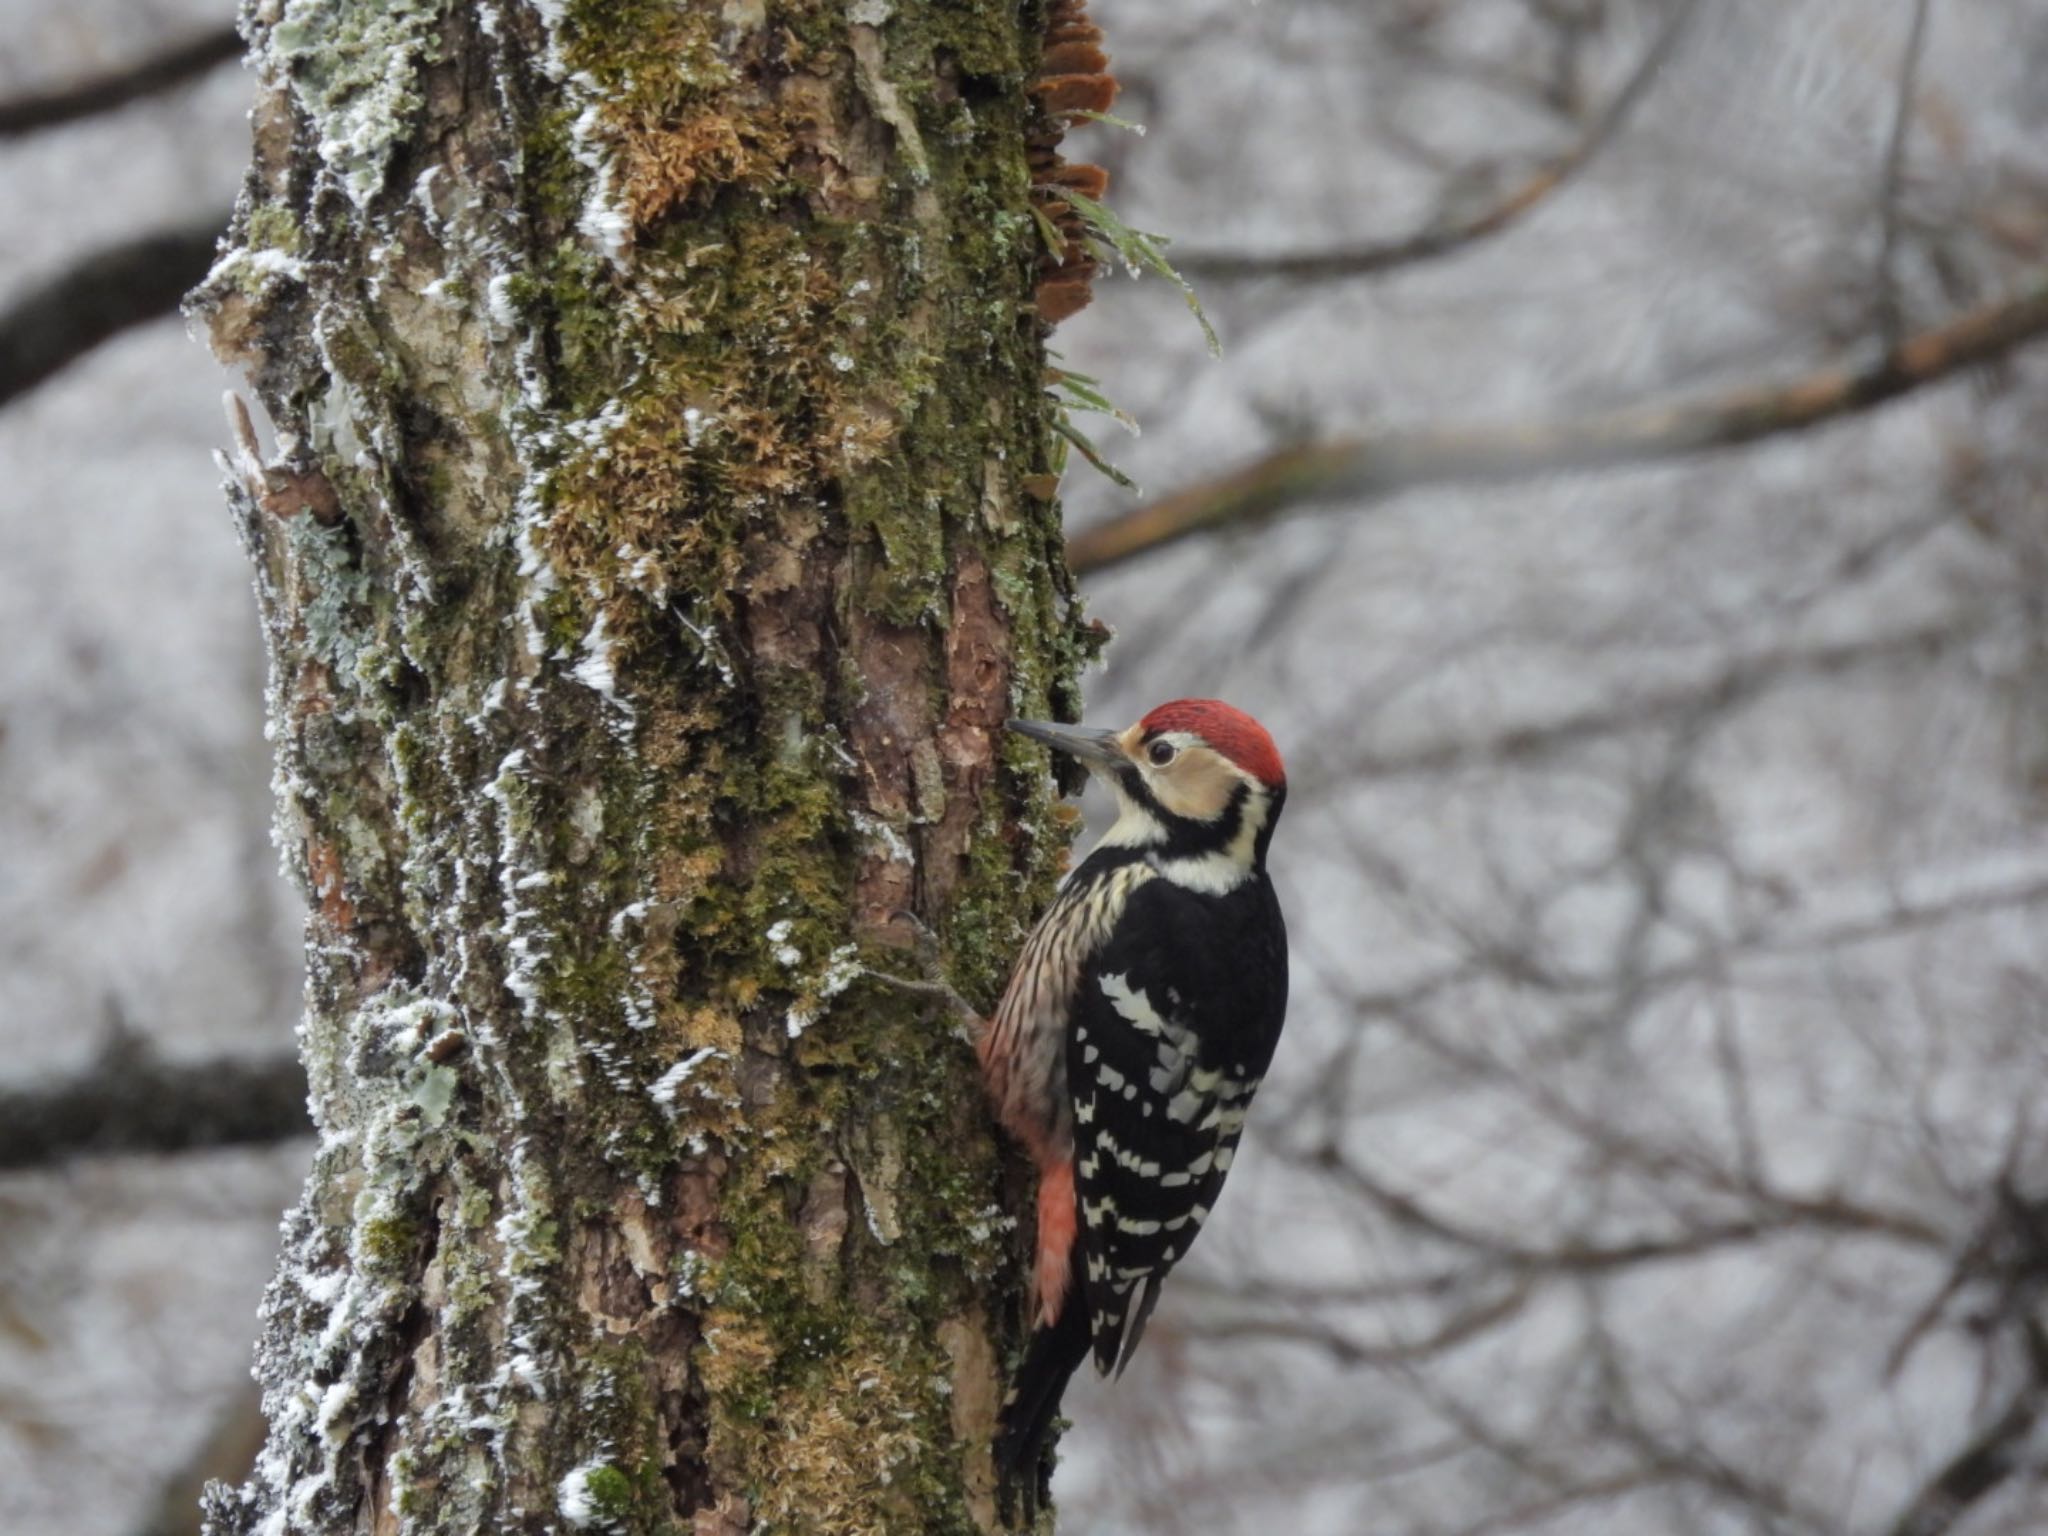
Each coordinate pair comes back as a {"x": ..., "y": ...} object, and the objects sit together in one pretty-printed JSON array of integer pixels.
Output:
[{"x": 1230, "y": 731}]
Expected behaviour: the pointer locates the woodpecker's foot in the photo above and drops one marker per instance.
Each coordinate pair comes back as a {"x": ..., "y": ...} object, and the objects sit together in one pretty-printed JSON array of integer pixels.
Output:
[
  {"x": 923, "y": 943},
  {"x": 925, "y": 948},
  {"x": 968, "y": 1024}
]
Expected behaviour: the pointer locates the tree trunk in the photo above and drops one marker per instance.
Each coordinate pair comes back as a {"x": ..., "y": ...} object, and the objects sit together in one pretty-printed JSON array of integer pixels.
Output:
[{"x": 657, "y": 536}]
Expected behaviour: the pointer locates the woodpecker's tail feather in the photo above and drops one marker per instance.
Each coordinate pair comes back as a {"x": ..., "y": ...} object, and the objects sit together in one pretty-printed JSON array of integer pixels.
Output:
[{"x": 1034, "y": 1400}]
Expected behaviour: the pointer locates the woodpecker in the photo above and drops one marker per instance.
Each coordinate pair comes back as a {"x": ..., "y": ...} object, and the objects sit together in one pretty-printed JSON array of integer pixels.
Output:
[{"x": 1138, "y": 1024}]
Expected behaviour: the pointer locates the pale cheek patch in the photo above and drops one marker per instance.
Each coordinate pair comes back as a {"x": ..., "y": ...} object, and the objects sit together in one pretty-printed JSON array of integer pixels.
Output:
[{"x": 1197, "y": 785}]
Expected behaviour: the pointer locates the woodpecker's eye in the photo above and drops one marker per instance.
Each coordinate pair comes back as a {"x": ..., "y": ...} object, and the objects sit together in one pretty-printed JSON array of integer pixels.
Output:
[{"x": 1162, "y": 753}]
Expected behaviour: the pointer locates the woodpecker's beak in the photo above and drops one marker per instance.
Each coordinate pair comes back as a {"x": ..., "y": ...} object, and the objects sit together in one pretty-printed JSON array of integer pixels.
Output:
[{"x": 1093, "y": 748}]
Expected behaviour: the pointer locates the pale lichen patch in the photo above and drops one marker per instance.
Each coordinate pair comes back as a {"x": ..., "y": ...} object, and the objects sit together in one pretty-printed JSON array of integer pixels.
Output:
[{"x": 355, "y": 69}]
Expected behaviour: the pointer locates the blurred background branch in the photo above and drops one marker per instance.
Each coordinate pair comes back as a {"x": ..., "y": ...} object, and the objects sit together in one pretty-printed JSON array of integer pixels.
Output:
[
  {"x": 224, "y": 1456},
  {"x": 155, "y": 73},
  {"x": 1453, "y": 229},
  {"x": 130, "y": 1100},
  {"x": 1890, "y": 321},
  {"x": 1363, "y": 470},
  {"x": 98, "y": 297}
]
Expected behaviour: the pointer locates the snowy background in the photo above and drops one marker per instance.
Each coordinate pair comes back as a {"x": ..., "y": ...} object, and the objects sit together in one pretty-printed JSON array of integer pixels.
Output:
[{"x": 1658, "y": 1141}]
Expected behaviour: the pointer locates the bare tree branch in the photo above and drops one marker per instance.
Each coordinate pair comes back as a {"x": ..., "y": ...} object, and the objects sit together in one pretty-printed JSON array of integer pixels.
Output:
[
  {"x": 1344, "y": 1349},
  {"x": 1372, "y": 467},
  {"x": 1773, "y": 1218},
  {"x": 54, "y": 325},
  {"x": 130, "y": 1101},
  {"x": 1890, "y": 317},
  {"x": 1446, "y": 235},
  {"x": 103, "y": 93},
  {"x": 1992, "y": 1456},
  {"x": 1653, "y": 708}
]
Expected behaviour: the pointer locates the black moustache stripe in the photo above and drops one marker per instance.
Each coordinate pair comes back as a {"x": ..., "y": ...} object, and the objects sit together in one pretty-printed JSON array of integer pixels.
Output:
[{"x": 1185, "y": 836}]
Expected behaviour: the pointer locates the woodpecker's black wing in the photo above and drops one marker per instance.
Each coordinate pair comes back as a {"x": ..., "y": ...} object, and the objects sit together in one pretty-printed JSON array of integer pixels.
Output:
[{"x": 1174, "y": 1022}]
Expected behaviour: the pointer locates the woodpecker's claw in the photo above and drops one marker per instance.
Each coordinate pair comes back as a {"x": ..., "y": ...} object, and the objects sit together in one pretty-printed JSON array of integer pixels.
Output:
[
  {"x": 925, "y": 946},
  {"x": 970, "y": 1021}
]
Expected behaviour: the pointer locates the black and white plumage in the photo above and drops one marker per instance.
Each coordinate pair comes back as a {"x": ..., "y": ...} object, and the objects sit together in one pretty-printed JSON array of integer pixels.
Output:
[
  {"x": 1175, "y": 1022},
  {"x": 1139, "y": 1023}
]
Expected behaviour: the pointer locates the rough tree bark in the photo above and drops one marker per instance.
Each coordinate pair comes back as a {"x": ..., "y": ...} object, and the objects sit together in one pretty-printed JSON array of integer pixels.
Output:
[{"x": 654, "y": 542}]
